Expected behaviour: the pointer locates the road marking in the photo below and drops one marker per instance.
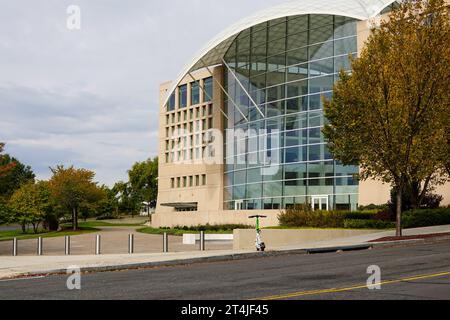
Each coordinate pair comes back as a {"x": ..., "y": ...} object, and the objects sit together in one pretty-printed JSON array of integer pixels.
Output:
[
  {"x": 20, "y": 279},
  {"x": 335, "y": 290}
]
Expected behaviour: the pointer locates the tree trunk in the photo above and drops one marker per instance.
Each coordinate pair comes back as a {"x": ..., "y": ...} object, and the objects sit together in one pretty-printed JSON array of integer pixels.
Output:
[
  {"x": 76, "y": 219},
  {"x": 74, "y": 226},
  {"x": 399, "y": 210},
  {"x": 23, "y": 228}
]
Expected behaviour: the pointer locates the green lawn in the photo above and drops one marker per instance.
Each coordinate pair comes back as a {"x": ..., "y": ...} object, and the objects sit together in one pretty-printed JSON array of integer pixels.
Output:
[
  {"x": 95, "y": 224},
  {"x": 9, "y": 235},
  {"x": 177, "y": 232}
]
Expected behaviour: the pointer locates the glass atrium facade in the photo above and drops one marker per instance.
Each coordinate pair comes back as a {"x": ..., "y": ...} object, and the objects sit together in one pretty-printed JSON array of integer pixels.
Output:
[{"x": 287, "y": 66}]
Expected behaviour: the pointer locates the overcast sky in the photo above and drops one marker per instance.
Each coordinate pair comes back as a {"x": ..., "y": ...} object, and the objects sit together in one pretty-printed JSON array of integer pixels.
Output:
[{"x": 89, "y": 97}]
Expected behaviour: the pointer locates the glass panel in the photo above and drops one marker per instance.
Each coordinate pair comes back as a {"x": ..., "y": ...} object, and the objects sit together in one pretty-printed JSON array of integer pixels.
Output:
[
  {"x": 297, "y": 56},
  {"x": 297, "y": 104},
  {"x": 344, "y": 27},
  {"x": 297, "y": 40},
  {"x": 182, "y": 91},
  {"x": 321, "y": 34},
  {"x": 318, "y": 20},
  {"x": 295, "y": 138},
  {"x": 321, "y": 84},
  {"x": 277, "y": 31},
  {"x": 208, "y": 86},
  {"x": 299, "y": 88},
  {"x": 342, "y": 63},
  {"x": 297, "y": 121},
  {"x": 171, "y": 103},
  {"x": 297, "y": 24},
  {"x": 345, "y": 46},
  {"x": 298, "y": 72},
  {"x": 321, "y": 67},
  {"x": 195, "y": 93},
  {"x": 319, "y": 51},
  {"x": 276, "y": 46}
]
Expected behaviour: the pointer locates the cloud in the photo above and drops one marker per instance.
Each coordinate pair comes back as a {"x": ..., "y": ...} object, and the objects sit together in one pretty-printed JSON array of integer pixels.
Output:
[{"x": 91, "y": 97}]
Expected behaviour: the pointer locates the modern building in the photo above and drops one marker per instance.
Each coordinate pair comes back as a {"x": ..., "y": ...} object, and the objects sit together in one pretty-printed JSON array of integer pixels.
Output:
[{"x": 240, "y": 128}]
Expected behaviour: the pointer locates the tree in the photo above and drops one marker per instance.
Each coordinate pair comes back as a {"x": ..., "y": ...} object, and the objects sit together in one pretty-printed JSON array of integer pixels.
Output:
[
  {"x": 73, "y": 188},
  {"x": 390, "y": 115},
  {"x": 4, "y": 168},
  {"x": 13, "y": 174},
  {"x": 27, "y": 205},
  {"x": 4, "y": 214},
  {"x": 143, "y": 179}
]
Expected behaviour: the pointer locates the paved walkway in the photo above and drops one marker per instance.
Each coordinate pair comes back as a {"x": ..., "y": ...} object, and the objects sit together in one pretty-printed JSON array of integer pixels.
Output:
[
  {"x": 114, "y": 240},
  {"x": 14, "y": 266}
]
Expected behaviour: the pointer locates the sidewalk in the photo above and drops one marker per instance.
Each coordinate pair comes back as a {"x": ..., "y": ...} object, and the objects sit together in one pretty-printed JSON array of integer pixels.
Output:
[{"x": 32, "y": 265}]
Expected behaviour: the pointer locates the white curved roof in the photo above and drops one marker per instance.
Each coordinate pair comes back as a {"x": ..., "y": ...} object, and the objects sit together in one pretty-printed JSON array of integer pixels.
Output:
[{"x": 215, "y": 49}]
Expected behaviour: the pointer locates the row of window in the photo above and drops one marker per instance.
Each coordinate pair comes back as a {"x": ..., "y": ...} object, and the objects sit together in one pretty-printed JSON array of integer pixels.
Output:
[
  {"x": 191, "y": 127},
  {"x": 279, "y": 190},
  {"x": 188, "y": 181},
  {"x": 196, "y": 95},
  {"x": 335, "y": 202},
  {"x": 188, "y": 154},
  {"x": 194, "y": 113}
]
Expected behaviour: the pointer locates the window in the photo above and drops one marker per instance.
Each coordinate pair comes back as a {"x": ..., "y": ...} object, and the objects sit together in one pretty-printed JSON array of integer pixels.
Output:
[
  {"x": 182, "y": 91},
  {"x": 208, "y": 86},
  {"x": 172, "y": 183},
  {"x": 197, "y": 180},
  {"x": 195, "y": 93},
  {"x": 203, "y": 179},
  {"x": 171, "y": 103}
]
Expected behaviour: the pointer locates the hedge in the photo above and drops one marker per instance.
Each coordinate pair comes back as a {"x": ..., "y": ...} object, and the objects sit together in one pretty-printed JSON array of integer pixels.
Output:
[
  {"x": 368, "y": 224},
  {"x": 426, "y": 218}
]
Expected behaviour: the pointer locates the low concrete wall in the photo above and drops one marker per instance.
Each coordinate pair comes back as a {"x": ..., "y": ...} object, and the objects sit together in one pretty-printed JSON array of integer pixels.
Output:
[
  {"x": 192, "y": 219},
  {"x": 192, "y": 238},
  {"x": 274, "y": 238}
]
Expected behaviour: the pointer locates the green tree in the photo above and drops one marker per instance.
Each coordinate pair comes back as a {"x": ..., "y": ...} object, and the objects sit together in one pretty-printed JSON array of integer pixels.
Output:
[
  {"x": 143, "y": 180},
  {"x": 123, "y": 193},
  {"x": 4, "y": 214},
  {"x": 390, "y": 115},
  {"x": 27, "y": 205},
  {"x": 73, "y": 188}
]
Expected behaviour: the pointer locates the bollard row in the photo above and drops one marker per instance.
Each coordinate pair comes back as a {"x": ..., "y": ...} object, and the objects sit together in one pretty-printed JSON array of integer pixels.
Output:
[{"x": 67, "y": 251}]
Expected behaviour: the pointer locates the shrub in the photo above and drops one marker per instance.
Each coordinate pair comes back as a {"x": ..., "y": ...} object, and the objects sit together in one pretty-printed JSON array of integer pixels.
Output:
[
  {"x": 303, "y": 216},
  {"x": 373, "y": 207},
  {"x": 426, "y": 218},
  {"x": 360, "y": 215},
  {"x": 368, "y": 224}
]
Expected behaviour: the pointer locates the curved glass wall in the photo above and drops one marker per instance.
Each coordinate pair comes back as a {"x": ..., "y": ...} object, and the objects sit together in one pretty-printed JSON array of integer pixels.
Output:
[{"x": 282, "y": 69}]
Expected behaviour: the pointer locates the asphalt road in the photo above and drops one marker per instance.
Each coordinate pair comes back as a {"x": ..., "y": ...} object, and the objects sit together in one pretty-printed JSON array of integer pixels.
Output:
[{"x": 415, "y": 272}]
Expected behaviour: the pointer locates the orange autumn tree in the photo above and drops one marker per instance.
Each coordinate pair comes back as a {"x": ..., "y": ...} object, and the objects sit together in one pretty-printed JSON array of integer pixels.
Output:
[
  {"x": 391, "y": 115},
  {"x": 4, "y": 168},
  {"x": 72, "y": 188}
]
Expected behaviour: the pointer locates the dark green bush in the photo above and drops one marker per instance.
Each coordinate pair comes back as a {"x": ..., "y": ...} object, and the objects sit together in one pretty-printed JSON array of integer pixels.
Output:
[
  {"x": 360, "y": 215},
  {"x": 368, "y": 224},
  {"x": 426, "y": 218},
  {"x": 304, "y": 216}
]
